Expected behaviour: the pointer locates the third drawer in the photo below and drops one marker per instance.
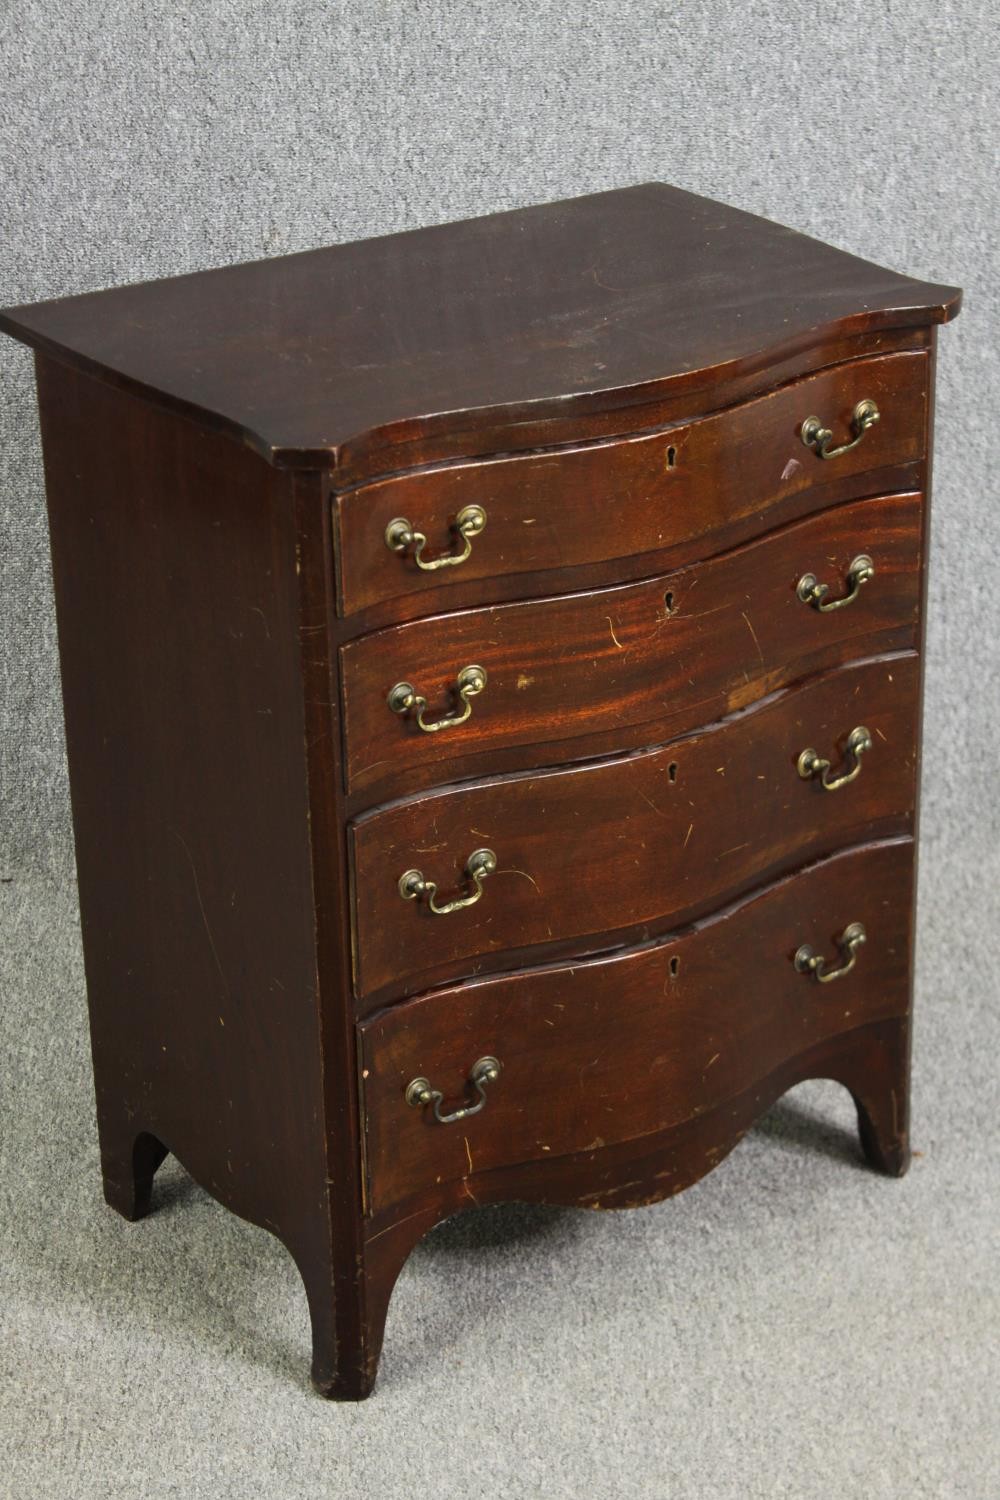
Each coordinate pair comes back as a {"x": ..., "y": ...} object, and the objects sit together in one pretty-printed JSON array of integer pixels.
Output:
[{"x": 621, "y": 847}]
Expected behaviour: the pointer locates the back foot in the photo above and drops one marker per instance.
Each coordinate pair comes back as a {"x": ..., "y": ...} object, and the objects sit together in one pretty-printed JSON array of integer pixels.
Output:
[{"x": 128, "y": 1170}]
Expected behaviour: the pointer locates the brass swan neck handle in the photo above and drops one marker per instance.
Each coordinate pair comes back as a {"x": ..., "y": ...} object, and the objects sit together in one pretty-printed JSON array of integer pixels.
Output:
[
  {"x": 400, "y": 536},
  {"x": 811, "y": 764},
  {"x": 404, "y": 699},
  {"x": 811, "y": 591},
  {"x": 478, "y": 866},
  {"x": 808, "y": 961},
  {"x": 419, "y": 1092},
  {"x": 819, "y": 438}
]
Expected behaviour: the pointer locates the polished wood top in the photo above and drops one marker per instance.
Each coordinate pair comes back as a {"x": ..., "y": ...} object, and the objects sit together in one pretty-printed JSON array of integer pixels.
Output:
[{"x": 536, "y": 314}]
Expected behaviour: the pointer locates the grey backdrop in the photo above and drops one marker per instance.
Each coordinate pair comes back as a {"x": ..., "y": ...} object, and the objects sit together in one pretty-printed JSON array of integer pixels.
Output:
[{"x": 791, "y": 1326}]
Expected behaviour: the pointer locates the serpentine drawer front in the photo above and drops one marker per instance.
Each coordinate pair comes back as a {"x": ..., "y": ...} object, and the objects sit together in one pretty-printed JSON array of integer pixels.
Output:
[
  {"x": 642, "y": 840},
  {"x": 677, "y": 487},
  {"x": 621, "y": 667},
  {"x": 491, "y": 658},
  {"x": 614, "y": 1049}
]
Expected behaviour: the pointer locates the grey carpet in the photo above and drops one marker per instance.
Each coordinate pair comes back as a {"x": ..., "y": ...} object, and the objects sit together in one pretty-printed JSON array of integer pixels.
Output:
[{"x": 793, "y": 1326}]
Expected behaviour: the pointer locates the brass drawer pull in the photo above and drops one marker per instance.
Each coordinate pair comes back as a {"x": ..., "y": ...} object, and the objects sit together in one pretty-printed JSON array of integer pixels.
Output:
[
  {"x": 808, "y": 961},
  {"x": 478, "y": 865},
  {"x": 810, "y": 591},
  {"x": 419, "y": 1092},
  {"x": 404, "y": 698},
  {"x": 818, "y": 437},
  {"x": 399, "y": 535},
  {"x": 811, "y": 764}
]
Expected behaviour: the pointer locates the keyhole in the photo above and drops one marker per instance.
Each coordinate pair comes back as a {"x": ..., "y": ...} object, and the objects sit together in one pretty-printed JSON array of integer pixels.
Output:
[
  {"x": 675, "y": 967},
  {"x": 672, "y": 770},
  {"x": 668, "y": 600},
  {"x": 671, "y": 457}
]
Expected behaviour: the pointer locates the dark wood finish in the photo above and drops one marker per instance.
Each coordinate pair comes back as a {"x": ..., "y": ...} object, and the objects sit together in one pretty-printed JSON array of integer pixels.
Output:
[
  {"x": 592, "y": 853},
  {"x": 613, "y": 1049},
  {"x": 217, "y": 706},
  {"x": 456, "y": 595},
  {"x": 871, "y": 1062},
  {"x": 680, "y": 484},
  {"x": 562, "y": 309},
  {"x": 622, "y": 667},
  {"x": 174, "y": 560}
]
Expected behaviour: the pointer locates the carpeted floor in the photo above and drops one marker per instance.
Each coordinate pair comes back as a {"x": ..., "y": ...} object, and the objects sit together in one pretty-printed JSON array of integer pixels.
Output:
[{"x": 793, "y": 1326}]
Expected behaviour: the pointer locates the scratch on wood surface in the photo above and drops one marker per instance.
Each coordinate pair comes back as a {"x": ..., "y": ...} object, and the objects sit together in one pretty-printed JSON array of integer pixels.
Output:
[
  {"x": 392, "y": 1227},
  {"x": 881, "y": 735},
  {"x": 711, "y": 1060},
  {"x": 375, "y": 765},
  {"x": 468, "y": 1152},
  {"x": 754, "y": 634},
  {"x": 613, "y": 636},
  {"x": 511, "y": 871},
  {"x": 256, "y": 609},
  {"x": 201, "y": 908},
  {"x": 715, "y": 610},
  {"x": 650, "y": 803},
  {"x": 687, "y": 836},
  {"x": 603, "y": 284}
]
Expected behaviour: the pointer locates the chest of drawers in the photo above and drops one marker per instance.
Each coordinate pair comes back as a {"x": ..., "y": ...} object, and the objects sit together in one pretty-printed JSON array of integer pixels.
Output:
[{"x": 491, "y": 665}]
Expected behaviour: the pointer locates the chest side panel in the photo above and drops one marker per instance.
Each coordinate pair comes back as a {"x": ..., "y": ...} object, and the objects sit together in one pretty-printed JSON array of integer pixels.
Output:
[{"x": 175, "y": 574}]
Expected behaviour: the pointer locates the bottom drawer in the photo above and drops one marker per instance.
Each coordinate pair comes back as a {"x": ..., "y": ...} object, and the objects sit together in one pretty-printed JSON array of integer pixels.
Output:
[{"x": 612, "y": 1049}]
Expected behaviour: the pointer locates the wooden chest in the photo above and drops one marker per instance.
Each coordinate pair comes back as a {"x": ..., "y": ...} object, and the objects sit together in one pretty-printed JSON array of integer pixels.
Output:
[{"x": 492, "y": 671}]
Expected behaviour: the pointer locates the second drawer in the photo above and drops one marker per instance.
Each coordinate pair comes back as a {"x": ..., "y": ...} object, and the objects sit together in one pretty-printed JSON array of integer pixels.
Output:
[
  {"x": 585, "y": 853},
  {"x": 591, "y": 673}
]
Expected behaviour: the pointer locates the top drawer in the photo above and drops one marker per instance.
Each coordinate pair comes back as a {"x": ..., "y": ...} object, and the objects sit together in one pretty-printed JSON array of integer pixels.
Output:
[{"x": 566, "y": 507}]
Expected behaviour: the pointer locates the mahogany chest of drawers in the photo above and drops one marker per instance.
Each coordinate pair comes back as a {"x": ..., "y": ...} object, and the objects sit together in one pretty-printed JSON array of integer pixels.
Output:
[{"x": 492, "y": 668}]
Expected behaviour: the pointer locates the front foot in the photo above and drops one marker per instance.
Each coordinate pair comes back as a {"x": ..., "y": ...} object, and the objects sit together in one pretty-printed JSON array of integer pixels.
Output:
[
  {"x": 881, "y": 1089},
  {"x": 348, "y": 1304},
  {"x": 352, "y": 1385},
  {"x": 885, "y": 1146}
]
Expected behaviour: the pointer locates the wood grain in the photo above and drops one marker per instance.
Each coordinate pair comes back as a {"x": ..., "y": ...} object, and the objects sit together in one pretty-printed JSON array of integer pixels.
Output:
[
  {"x": 621, "y": 1047},
  {"x": 174, "y": 559},
  {"x": 588, "y": 853},
  {"x": 568, "y": 507},
  {"x": 618, "y": 668},
  {"x": 871, "y": 1061},
  {"x": 338, "y": 356}
]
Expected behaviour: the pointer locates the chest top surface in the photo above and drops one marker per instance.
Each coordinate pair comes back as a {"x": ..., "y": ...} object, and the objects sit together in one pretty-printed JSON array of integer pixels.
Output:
[{"x": 537, "y": 313}]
